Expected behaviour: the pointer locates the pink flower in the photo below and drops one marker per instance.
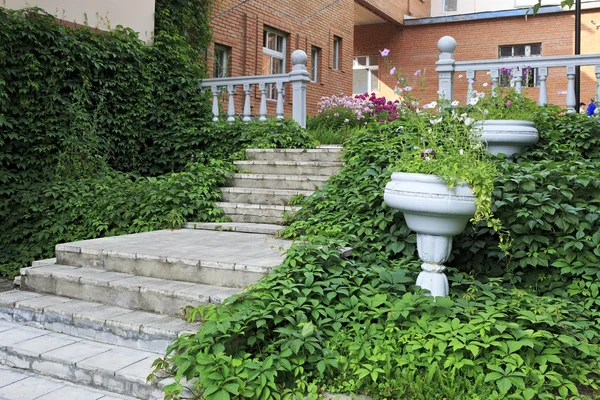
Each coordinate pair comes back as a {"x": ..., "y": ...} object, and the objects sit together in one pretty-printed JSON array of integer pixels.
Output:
[
  {"x": 508, "y": 103},
  {"x": 408, "y": 88},
  {"x": 385, "y": 52},
  {"x": 393, "y": 71},
  {"x": 418, "y": 72}
]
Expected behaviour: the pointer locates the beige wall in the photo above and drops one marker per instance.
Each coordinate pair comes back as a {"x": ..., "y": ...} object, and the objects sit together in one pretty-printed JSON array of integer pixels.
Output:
[
  {"x": 474, "y": 6},
  {"x": 101, "y": 14}
]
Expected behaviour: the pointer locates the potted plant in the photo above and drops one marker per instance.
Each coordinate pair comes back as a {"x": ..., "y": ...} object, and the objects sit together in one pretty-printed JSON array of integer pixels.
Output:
[
  {"x": 503, "y": 120},
  {"x": 443, "y": 180}
]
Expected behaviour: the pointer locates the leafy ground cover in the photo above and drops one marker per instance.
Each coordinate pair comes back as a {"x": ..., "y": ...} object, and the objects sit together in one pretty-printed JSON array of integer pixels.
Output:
[{"x": 520, "y": 323}]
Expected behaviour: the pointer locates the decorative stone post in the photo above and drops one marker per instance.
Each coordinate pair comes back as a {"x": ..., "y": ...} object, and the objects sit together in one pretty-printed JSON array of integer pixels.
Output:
[
  {"x": 445, "y": 68},
  {"x": 299, "y": 77},
  {"x": 571, "y": 106}
]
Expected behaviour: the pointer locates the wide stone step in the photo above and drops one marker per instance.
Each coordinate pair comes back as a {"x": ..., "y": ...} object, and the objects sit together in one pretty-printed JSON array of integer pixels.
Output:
[
  {"x": 324, "y": 168},
  {"x": 256, "y": 213},
  {"x": 215, "y": 258},
  {"x": 328, "y": 154},
  {"x": 96, "y": 365},
  {"x": 92, "y": 320},
  {"x": 260, "y": 195},
  {"x": 121, "y": 290},
  {"x": 277, "y": 181},
  {"x": 17, "y": 384},
  {"x": 268, "y": 229}
]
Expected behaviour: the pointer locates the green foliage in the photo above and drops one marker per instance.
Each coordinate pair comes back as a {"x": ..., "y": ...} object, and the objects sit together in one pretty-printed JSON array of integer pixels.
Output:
[
  {"x": 39, "y": 215},
  {"x": 501, "y": 103},
  {"x": 511, "y": 328},
  {"x": 325, "y": 135},
  {"x": 187, "y": 18}
]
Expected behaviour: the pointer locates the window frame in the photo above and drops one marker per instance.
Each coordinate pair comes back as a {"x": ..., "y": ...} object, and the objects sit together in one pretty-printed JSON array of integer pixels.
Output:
[
  {"x": 222, "y": 60},
  {"x": 445, "y": 6},
  {"x": 336, "y": 53},
  {"x": 315, "y": 60},
  {"x": 368, "y": 67},
  {"x": 532, "y": 78},
  {"x": 274, "y": 54}
]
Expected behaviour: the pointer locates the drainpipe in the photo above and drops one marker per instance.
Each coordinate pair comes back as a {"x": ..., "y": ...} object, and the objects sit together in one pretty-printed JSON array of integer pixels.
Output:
[{"x": 577, "y": 52}]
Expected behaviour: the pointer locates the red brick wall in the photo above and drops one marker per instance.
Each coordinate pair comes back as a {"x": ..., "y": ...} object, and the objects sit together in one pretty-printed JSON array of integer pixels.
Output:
[
  {"x": 415, "y": 47},
  {"x": 240, "y": 26}
]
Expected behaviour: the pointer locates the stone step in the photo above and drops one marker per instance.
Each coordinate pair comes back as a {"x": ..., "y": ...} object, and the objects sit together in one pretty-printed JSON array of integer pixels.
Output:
[
  {"x": 324, "y": 168},
  {"x": 215, "y": 258},
  {"x": 331, "y": 154},
  {"x": 120, "y": 289},
  {"x": 276, "y": 181},
  {"x": 268, "y": 229},
  {"x": 92, "y": 320},
  {"x": 17, "y": 384},
  {"x": 256, "y": 213},
  {"x": 260, "y": 195},
  {"x": 96, "y": 365}
]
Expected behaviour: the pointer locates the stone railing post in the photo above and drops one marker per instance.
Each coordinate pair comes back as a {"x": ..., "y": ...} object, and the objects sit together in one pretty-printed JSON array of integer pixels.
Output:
[
  {"x": 445, "y": 68},
  {"x": 543, "y": 75},
  {"x": 299, "y": 77},
  {"x": 571, "y": 106}
]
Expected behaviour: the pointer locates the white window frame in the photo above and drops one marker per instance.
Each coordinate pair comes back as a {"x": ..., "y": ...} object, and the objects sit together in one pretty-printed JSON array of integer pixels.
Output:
[
  {"x": 315, "y": 58},
  {"x": 337, "y": 46},
  {"x": 274, "y": 54},
  {"x": 504, "y": 82},
  {"x": 446, "y": 7},
  {"x": 221, "y": 56},
  {"x": 369, "y": 67}
]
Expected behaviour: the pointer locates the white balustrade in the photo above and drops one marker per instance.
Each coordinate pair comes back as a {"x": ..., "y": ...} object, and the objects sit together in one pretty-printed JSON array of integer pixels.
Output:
[
  {"x": 297, "y": 78},
  {"x": 447, "y": 67}
]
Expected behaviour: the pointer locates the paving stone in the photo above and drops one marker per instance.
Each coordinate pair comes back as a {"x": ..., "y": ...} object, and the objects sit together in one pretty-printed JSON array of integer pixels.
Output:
[
  {"x": 30, "y": 388},
  {"x": 112, "y": 360},
  {"x": 42, "y": 344}
]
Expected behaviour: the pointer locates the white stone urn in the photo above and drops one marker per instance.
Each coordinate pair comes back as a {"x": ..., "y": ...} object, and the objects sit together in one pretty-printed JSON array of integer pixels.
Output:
[
  {"x": 436, "y": 213},
  {"x": 506, "y": 136}
]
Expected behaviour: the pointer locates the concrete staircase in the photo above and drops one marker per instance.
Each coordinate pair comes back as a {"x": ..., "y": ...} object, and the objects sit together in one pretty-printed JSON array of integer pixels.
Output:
[
  {"x": 89, "y": 323},
  {"x": 270, "y": 177}
]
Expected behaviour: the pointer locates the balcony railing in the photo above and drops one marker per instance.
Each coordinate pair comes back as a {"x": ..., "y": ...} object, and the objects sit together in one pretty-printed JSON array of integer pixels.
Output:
[
  {"x": 447, "y": 66},
  {"x": 298, "y": 78}
]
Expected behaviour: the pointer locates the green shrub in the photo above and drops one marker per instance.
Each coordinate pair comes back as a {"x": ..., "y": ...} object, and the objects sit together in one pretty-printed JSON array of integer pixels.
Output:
[{"x": 510, "y": 329}]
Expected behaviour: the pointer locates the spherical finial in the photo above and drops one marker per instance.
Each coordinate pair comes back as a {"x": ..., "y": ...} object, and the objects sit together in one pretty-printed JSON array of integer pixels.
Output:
[
  {"x": 447, "y": 44},
  {"x": 299, "y": 57}
]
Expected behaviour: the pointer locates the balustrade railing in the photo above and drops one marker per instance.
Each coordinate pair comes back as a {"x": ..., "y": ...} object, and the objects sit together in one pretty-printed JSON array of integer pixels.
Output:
[
  {"x": 298, "y": 78},
  {"x": 447, "y": 67}
]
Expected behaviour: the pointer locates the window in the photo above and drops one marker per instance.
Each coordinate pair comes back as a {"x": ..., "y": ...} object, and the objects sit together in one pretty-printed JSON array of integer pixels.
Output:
[
  {"x": 221, "y": 61},
  {"x": 315, "y": 59},
  {"x": 450, "y": 5},
  {"x": 274, "y": 48},
  {"x": 365, "y": 71},
  {"x": 530, "y": 75},
  {"x": 337, "y": 47}
]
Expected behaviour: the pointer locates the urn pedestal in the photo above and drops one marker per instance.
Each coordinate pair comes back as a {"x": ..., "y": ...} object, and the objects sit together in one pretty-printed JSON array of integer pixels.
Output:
[
  {"x": 509, "y": 137},
  {"x": 436, "y": 213}
]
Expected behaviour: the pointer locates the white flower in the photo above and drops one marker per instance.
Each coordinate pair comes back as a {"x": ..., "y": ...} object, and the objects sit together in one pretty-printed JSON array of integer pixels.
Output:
[
  {"x": 455, "y": 103},
  {"x": 468, "y": 121},
  {"x": 481, "y": 95},
  {"x": 460, "y": 76},
  {"x": 461, "y": 152},
  {"x": 485, "y": 84},
  {"x": 398, "y": 90},
  {"x": 486, "y": 111},
  {"x": 435, "y": 121},
  {"x": 473, "y": 100}
]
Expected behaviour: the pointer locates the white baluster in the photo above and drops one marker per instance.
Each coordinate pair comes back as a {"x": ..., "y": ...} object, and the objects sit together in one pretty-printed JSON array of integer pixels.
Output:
[
  {"x": 279, "y": 110},
  {"x": 571, "y": 89},
  {"x": 215, "y": 104},
  {"x": 231, "y": 106},
  {"x": 470, "y": 81},
  {"x": 543, "y": 75},
  {"x": 597, "y": 71},
  {"x": 518, "y": 77},
  {"x": 247, "y": 91},
  {"x": 262, "y": 87},
  {"x": 299, "y": 77},
  {"x": 495, "y": 75},
  {"x": 445, "y": 68}
]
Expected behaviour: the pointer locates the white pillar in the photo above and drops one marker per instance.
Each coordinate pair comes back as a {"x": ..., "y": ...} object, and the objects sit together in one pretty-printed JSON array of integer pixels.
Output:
[
  {"x": 470, "y": 82},
  {"x": 299, "y": 77},
  {"x": 215, "y": 104},
  {"x": 231, "y": 105},
  {"x": 571, "y": 106},
  {"x": 543, "y": 75},
  {"x": 247, "y": 91},
  {"x": 445, "y": 68},
  {"x": 518, "y": 77},
  {"x": 279, "y": 109},
  {"x": 262, "y": 87},
  {"x": 495, "y": 75}
]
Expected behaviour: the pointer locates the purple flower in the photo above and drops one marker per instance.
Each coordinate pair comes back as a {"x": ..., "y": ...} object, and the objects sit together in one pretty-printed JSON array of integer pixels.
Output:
[
  {"x": 508, "y": 103},
  {"x": 385, "y": 52},
  {"x": 393, "y": 71},
  {"x": 428, "y": 154},
  {"x": 417, "y": 72}
]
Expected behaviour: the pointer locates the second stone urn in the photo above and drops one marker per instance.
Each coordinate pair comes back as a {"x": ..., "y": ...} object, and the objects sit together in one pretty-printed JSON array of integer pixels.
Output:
[
  {"x": 506, "y": 136},
  {"x": 436, "y": 213}
]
